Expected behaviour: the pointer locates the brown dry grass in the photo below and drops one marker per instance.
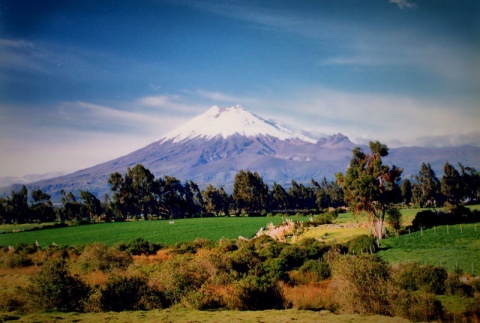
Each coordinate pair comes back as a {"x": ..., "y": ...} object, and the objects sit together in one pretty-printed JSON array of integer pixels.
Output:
[
  {"x": 159, "y": 257},
  {"x": 312, "y": 296},
  {"x": 183, "y": 316},
  {"x": 95, "y": 278},
  {"x": 13, "y": 278}
]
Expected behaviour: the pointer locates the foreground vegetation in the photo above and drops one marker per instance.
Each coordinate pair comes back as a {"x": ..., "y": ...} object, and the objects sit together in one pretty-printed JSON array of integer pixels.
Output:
[{"x": 281, "y": 268}]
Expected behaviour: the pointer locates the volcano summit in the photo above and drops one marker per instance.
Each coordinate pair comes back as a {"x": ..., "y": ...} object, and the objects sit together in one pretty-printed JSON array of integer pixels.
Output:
[{"x": 212, "y": 147}]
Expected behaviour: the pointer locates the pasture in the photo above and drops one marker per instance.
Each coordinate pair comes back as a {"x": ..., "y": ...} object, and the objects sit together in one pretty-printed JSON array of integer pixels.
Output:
[
  {"x": 452, "y": 247},
  {"x": 160, "y": 231}
]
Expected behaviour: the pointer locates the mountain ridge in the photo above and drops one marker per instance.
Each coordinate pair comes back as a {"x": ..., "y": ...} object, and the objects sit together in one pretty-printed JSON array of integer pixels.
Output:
[{"x": 214, "y": 154}]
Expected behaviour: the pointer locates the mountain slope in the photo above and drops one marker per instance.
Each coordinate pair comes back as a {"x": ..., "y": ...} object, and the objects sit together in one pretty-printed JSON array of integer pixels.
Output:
[{"x": 214, "y": 146}]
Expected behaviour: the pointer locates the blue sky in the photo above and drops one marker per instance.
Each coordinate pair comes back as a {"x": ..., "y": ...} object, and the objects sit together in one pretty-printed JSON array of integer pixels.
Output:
[{"x": 82, "y": 82}]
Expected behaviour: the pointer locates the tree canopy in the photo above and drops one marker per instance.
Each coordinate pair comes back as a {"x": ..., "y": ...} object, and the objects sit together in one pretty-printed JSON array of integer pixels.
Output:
[{"x": 370, "y": 186}]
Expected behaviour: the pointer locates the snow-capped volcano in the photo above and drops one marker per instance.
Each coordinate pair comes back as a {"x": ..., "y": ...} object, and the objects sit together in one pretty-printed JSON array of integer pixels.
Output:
[
  {"x": 212, "y": 147},
  {"x": 229, "y": 121}
]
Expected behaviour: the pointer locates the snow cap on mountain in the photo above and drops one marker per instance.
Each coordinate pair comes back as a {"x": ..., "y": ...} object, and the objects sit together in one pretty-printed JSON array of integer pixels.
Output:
[{"x": 229, "y": 121}]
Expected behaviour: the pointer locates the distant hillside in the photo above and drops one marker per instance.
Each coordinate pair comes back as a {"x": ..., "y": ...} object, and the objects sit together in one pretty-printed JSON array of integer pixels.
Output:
[{"x": 214, "y": 146}]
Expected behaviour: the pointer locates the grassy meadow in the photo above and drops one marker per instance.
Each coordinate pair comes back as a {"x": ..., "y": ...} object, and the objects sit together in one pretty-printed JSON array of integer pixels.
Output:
[
  {"x": 452, "y": 247},
  {"x": 161, "y": 232}
]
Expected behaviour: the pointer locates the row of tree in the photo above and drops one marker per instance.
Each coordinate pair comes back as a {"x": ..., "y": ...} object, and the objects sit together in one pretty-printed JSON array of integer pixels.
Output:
[{"x": 367, "y": 186}]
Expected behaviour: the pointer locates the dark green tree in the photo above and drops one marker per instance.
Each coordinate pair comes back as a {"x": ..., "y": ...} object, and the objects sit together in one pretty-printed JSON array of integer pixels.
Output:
[
  {"x": 171, "y": 197},
  {"x": 301, "y": 197},
  {"x": 3, "y": 210},
  {"x": 471, "y": 183},
  {"x": 41, "y": 206},
  {"x": 427, "y": 187},
  {"x": 93, "y": 206},
  {"x": 328, "y": 194},
  {"x": 193, "y": 199},
  {"x": 406, "y": 188},
  {"x": 452, "y": 185},
  {"x": 134, "y": 194},
  {"x": 279, "y": 199},
  {"x": 216, "y": 200},
  {"x": 72, "y": 210},
  {"x": 370, "y": 186},
  {"x": 16, "y": 207},
  {"x": 250, "y": 193}
]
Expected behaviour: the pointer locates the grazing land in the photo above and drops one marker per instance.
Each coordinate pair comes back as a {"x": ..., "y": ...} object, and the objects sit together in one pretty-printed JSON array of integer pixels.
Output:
[
  {"x": 454, "y": 247},
  {"x": 161, "y": 232}
]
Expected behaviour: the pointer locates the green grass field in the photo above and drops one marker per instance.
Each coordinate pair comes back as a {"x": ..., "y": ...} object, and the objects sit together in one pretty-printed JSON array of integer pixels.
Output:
[
  {"x": 452, "y": 247},
  {"x": 154, "y": 231}
]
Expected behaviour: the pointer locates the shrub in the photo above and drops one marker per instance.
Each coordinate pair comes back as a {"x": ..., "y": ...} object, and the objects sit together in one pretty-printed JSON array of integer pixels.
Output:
[
  {"x": 245, "y": 260},
  {"x": 362, "y": 283},
  {"x": 193, "y": 246},
  {"x": 98, "y": 256},
  {"x": 310, "y": 297},
  {"x": 454, "y": 286},
  {"x": 324, "y": 218},
  {"x": 24, "y": 248},
  {"x": 122, "y": 293},
  {"x": 140, "y": 246},
  {"x": 254, "y": 293},
  {"x": 417, "y": 306},
  {"x": 275, "y": 269},
  {"x": 294, "y": 256},
  {"x": 362, "y": 244},
  {"x": 267, "y": 247},
  {"x": 12, "y": 301},
  {"x": 54, "y": 288},
  {"x": 176, "y": 278},
  {"x": 394, "y": 219},
  {"x": 320, "y": 269},
  {"x": 18, "y": 260},
  {"x": 425, "y": 218},
  {"x": 414, "y": 277},
  {"x": 314, "y": 249}
]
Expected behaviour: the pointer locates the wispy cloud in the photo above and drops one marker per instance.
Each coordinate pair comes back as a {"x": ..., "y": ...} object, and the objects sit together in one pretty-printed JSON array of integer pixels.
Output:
[
  {"x": 403, "y": 4},
  {"x": 393, "y": 119},
  {"x": 219, "y": 98},
  {"x": 15, "y": 43}
]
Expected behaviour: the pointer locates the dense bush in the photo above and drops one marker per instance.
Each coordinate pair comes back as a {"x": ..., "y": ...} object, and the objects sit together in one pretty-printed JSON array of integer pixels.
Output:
[
  {"x": 54, "y": 288},
  {"x": 413, "y": 277},
  {"x": 418, "y": 306},
  {"x": 140, "y": 246},
  {"x": 364, "y": 244},
  {"x": 362, "y": 284},
  {"x": 255, "y": 293},
  {"x": 98, "y": 256},
  {"x": 253, "y": 274},
  {"x": 123, "y": 293},
  {"x": 455, "y": 215},
  {"x": 193, "y": 246},
  {"x": 320, "y": 269},
  {"x": 294, "y": 256},
  {"x": 454, "y": 286}
]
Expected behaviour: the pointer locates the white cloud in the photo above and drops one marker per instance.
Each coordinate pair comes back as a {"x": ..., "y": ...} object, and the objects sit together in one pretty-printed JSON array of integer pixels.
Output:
[
  {"x": 403, "y": 4},
  {"x": 393, "y": 119}
]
